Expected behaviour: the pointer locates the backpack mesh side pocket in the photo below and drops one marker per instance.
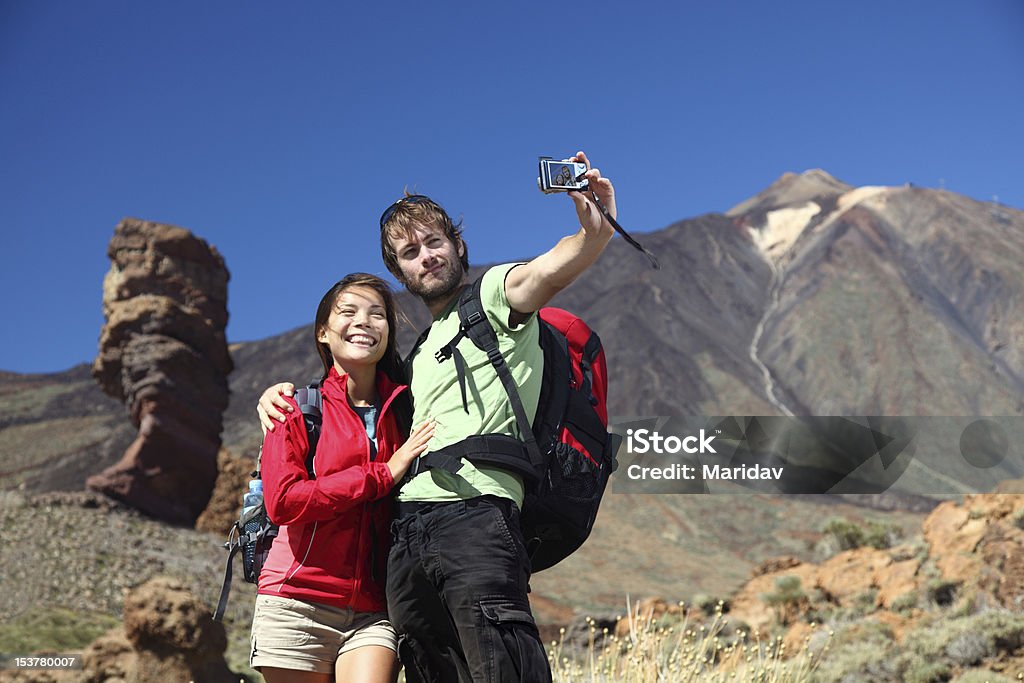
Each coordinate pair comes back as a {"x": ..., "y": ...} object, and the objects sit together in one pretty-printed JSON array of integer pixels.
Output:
[{"x": 256, "y": 536}]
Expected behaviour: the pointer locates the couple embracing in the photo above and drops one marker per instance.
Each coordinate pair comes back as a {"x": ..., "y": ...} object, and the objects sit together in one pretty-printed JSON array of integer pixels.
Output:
[{"x": 376, "y": 556}]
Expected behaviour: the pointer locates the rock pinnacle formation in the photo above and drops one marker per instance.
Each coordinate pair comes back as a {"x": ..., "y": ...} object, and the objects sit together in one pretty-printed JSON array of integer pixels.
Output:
[{"x": 163, "y": 351}]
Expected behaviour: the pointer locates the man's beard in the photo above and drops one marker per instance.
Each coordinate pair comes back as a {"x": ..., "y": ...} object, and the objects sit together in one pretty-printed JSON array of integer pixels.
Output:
[{"x": 439, "y": 288}]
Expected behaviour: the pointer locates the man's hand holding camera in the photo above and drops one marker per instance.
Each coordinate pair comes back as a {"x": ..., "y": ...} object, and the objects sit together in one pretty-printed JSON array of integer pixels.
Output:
[
  {"x": 591, "y": 219},
  {"x": 532, "y": 285},
  {"x": 592, "y": 194}
]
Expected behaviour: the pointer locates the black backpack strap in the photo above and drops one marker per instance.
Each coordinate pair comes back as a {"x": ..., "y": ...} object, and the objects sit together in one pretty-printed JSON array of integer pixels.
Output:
[
  {"x": 234, "y": 545},
  {"x": 475, "y": 325},
  {"x": 590, "y": 351},
  {"x": 310, "y": 403},
  {"x": 451, "y": 349},
  {"x": 236, "y": 541},
  {"x": 499, "y": 450},
  {"x": 407, "y": 361},
  {"x": 435, "y": 459}
]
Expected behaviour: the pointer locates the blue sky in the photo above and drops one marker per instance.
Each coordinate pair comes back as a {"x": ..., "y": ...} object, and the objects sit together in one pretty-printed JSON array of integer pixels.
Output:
[{"x": 278, "y": 132}]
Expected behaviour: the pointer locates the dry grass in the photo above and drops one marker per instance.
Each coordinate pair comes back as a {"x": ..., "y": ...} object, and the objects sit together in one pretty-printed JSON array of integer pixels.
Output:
[{"x": 678, "y": 649}]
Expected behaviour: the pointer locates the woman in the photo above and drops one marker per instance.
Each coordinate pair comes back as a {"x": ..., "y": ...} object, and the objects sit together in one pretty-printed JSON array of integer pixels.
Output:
[{"x": 320, "y": 608}]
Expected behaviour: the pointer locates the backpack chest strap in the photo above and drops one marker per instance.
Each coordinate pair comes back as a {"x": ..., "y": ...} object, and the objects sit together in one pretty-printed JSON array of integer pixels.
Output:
[{"x": 498, "y": 450}]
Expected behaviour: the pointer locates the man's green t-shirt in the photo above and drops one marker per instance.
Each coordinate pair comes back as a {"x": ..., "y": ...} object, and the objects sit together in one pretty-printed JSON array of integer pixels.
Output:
[{"x": 436, "y": 394}]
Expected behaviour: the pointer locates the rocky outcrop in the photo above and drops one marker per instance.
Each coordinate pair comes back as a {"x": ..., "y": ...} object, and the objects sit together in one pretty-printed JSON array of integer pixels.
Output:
[
  {"x": 168, "y": 635},
  {"x": 969, "y": 561},
  {"x": 972, "y": 559},
  {"x": 163, "y": 352},
  {"x": 979, "y": 547}
]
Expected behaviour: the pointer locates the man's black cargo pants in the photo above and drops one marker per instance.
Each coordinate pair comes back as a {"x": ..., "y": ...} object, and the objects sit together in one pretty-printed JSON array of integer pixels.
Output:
[{"x": 458, "y": 576}]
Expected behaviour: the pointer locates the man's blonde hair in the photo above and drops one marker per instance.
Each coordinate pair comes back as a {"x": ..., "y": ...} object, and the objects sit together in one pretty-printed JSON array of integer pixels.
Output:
[{"x": 400, "y": 220}]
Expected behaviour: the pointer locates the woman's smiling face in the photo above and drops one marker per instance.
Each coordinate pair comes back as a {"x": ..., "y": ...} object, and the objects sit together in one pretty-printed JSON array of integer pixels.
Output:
[{"x": 357, "y": 328}]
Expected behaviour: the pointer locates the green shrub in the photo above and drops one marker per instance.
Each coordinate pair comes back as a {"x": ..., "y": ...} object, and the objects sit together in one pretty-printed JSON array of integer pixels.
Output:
[
  {"x": 865, "y": 603},
  {"x": 881, "y": 536},
  {"x": 968, "y": 640},
  {"x": 788, "y": 599},
  {"x": 926, "y": 672},
  {"x": 969, "y": 648},
  {"x": 1018, "y": 518},
  {"x": 848, "y": 535},
  {"x": 905, "y": 603},
  {"x": 861, "y": 651}
]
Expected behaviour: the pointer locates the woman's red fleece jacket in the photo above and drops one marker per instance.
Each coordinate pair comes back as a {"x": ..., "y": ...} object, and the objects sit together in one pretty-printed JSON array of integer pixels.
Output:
[{"x": 332, "y": 544}]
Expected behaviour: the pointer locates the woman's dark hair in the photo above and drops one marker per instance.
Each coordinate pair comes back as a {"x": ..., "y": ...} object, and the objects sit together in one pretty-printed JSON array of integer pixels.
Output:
[{"x": 391, "y": 362}]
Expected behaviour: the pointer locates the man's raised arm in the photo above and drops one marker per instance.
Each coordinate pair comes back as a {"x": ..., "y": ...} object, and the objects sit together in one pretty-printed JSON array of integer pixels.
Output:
[{"x": 532, "y": 285}]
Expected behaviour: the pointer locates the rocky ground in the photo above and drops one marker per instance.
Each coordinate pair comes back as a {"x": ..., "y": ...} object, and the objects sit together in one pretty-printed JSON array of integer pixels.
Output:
[
  {"x": 944, "y": 604},
  {"x": 72, "y": 587}
]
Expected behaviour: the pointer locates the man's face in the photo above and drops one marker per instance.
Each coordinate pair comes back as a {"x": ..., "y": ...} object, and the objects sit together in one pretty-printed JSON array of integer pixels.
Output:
[{"x": 430, "y": 262}]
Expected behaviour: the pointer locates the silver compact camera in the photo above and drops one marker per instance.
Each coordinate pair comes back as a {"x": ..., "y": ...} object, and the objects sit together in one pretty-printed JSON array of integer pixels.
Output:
[{"x": 561, "y": 176}]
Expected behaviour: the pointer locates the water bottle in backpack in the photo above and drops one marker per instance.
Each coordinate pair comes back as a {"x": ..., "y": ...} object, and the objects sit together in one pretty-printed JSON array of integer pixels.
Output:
[{"x": 251, "y": 501}]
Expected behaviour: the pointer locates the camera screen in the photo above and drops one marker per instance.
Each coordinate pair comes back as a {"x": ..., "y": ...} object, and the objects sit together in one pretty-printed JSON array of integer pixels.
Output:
[{"x": 563, "y": 173}]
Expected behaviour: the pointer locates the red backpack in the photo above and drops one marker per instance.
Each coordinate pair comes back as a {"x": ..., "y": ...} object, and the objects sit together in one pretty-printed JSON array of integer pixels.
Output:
[{"x": 568, "y": 453}]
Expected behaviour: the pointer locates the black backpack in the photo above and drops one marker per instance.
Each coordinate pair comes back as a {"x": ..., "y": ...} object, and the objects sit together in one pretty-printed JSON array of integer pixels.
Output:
[
  {"x": 253, "y": 534},
  {"x": 568, "y": 453}
]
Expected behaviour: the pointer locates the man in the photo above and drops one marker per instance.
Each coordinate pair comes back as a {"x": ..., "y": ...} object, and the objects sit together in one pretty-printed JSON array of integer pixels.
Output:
[
  {"x": 458, "y": 570},
  {"x": 564, "y": 177}
]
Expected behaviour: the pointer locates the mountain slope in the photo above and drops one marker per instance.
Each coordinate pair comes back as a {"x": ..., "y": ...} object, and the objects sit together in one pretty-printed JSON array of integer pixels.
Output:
[{"x": 898, "y": 301}]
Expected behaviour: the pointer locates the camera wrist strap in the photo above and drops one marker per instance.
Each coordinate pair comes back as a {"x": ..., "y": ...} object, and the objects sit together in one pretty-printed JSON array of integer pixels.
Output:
[{"x": 625, "y": 235}]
